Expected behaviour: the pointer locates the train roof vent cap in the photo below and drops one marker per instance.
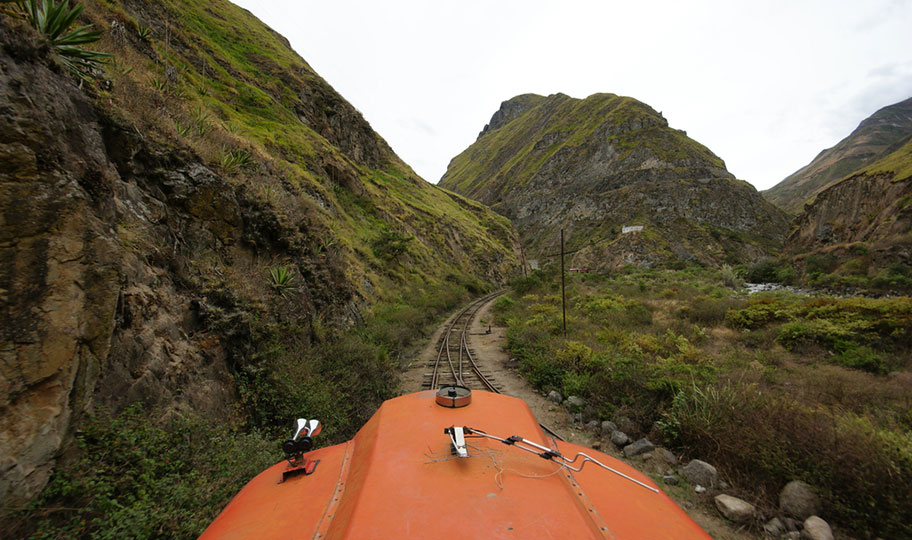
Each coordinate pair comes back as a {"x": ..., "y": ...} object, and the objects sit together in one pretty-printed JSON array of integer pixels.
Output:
[{"x": 454, "y": 397}]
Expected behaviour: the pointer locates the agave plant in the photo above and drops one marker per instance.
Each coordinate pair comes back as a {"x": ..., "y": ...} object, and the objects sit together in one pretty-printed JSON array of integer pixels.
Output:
[
  {"x": 54, "y": 18},
  {"x": 282, "y": 279}
]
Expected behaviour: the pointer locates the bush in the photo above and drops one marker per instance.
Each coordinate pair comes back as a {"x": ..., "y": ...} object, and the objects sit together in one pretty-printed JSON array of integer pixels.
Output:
[
  {"x": 819, "y": 264},
  {"x": 391, "y": 244},
  {"x": 763, "y": 271},
  {"x": 141, "y": 479},
  {"x": 863, "y": 474},
  {"x": 856, "y": 356},
  {"x": 525, "y": 284},
  {"x": 709, "y": 311}
]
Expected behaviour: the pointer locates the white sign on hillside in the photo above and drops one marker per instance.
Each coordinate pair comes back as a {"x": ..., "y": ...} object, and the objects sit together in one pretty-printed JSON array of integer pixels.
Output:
[{"x": 631, "y": 228}]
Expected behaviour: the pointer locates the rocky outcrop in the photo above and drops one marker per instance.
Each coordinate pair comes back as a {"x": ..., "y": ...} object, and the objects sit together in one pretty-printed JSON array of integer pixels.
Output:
[
  {"x": 59, "y": 261},
  {"x": 593, "y": 166},
  {"x": 134, "y": 265},
  {"x": 876, "y": 136},
  {"x": 871, "y": 209}
]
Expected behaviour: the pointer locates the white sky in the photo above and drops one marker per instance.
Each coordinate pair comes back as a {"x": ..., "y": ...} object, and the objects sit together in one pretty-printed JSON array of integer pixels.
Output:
[{"x": 766, "y": 85}]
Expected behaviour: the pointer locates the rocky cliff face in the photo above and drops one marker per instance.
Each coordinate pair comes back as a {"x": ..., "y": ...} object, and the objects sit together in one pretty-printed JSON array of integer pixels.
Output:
[
  {"x": 596, "y": 165},
  {"x": 877, "y": 136},
  {"x": 867, "y": 216},
  {"x": 140, "y": 216}
]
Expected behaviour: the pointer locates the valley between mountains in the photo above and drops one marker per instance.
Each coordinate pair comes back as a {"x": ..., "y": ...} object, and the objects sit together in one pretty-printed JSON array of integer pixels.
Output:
[{"x": 201, "y": 240}]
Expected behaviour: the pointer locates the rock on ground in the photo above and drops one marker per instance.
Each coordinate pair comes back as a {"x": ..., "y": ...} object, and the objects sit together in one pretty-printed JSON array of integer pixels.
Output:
[
  {"x": 700, "y": 472},
  {"x": 575, "y": 403},
  {"x": 799, "y": 500},
  {"x": 774, "y": 527},
  {"x": 642, "y": 446},
  {"x": 626, "y": 425},
  {"x": 816, "y": 528},
  {"x": 608, "y": 428},
  {"x": 735, "y": 509},
  {"x": 619, "y": 438},
  {"x": 555, "y": 396}
]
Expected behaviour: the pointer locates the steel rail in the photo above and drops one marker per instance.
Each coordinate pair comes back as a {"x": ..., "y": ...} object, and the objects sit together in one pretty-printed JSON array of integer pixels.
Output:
[{"x": 467, "y": 317}]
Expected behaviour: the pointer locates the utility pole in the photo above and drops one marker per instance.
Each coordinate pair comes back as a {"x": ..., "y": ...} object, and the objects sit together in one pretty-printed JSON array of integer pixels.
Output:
[
  {"x": 563, "y": 293},
  {"x": 522, "y": 254}
]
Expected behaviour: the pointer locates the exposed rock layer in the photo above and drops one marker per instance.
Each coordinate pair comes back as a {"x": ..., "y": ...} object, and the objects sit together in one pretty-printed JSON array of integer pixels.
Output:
[
  {"x": 592, "y": 166},
  {"x": 877, "y": 136},
  {"x": 132, "y": 266}
]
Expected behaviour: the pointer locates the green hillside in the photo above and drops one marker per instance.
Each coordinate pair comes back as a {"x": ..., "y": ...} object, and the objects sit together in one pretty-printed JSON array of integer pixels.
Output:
[
  {"x": 200, "y": 241},
  {"x": 592, "y": 166}
]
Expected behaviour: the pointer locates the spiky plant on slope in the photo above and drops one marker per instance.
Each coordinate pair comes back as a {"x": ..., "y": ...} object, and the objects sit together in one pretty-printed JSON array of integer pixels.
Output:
[{"x": 54, "y": 18}]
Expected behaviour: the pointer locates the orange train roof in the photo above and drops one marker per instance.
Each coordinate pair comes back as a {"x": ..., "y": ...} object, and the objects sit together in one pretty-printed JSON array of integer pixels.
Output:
[{"x": 398, "y": 479}]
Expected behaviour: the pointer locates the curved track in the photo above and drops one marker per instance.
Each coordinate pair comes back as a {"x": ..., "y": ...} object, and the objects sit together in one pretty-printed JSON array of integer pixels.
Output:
[
  {"x": 453, "y": 352},
  {"x": 455, "y": 364}
]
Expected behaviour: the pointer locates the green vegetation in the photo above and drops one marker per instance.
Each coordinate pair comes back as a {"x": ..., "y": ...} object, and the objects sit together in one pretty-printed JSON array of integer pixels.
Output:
[
  {"x": 282, "y": 279},
  {"x": 832, "y": 271},
  {"x": 771, "y": 387},
  {"x": 54, "y": 20},
  {"x": 296, "y": 292},
  {"x": 391, "y": 244},
  {"x": 142, "y": 478},
  {"x": 139, "y": 479}
]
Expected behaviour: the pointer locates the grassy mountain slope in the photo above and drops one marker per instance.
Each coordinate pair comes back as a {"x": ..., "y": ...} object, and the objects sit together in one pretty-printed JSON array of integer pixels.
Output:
[
  {"x": 198, "y": 243},
  {"x": 592, "y": 166},
  {"x": 213, "y": 78},
  {"x": 876, "y": 137}
]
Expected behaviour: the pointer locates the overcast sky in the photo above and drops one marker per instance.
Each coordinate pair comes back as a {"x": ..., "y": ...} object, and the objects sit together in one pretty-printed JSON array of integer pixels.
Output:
[{"x": 766, "y": 85}]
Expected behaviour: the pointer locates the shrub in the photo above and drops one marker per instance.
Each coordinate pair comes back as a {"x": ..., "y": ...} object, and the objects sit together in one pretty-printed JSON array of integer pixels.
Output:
[
  {"x": 864, "y": 474},
  {"x": 853, "y": 355},
  {"x": 54, "y": 19},
  {"x": 709, "y": 311},
  {"x": 282, "y": 279},
  {"x": 138, "y": 478},
  {"x": 391, "y": 244},
  {"x": 819, "y": 264},
  {"x": 525, "y": 284},
  {"x": 762, "y": 271}
]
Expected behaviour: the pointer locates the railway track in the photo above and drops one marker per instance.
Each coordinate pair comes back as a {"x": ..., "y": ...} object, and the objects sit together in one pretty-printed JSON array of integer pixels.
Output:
[{"x": 456, "y": 365}]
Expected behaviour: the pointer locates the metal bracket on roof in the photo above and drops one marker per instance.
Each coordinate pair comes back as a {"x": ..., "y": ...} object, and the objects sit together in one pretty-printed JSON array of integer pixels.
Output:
[
  {"x": 537, "y": 449},
  {"x": 457, "y": 438}
]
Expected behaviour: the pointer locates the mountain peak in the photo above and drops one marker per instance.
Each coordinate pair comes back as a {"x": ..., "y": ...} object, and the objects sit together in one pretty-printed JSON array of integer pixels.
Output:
[{"x": 593, "y": 165}]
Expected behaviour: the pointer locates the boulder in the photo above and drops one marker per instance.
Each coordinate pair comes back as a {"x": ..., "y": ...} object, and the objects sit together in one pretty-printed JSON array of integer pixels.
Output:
[
  {"x": 619, "y": 438},
  {"x": 642, "y": 446},
  {"x": 625, "y": 424},
  {"x": 575, "y": 403},
  {"x": 774, "y": 527},
  {"x": 593, "y": 425},
  {"x": 608, "y": 428},
  {"x": 666, "y": 456},
  {"x": 797, "y": 499},
  {"x": 555, "y": 396},
  {"x": 816, "y": 528},
  {"x": 735, "y": 509},
  {"x": 700, "y": 472},
  {"x": 670, "y": 479}
]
